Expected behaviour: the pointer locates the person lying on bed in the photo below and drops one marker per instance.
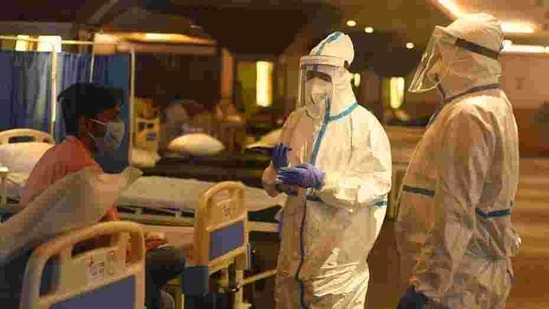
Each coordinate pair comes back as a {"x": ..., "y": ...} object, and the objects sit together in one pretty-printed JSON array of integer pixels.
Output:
[{"x": 92, "y": 125}]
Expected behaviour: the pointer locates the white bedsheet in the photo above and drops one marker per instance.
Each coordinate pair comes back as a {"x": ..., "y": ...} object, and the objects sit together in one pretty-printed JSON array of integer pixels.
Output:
[
  {"x": 162, "y": 192},
  {"x": 183, "y": 194}
]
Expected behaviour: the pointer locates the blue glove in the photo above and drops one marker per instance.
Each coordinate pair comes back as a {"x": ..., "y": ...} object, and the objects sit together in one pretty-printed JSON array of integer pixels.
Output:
[
  {"x": 305, "y": 176},
  {"x": 412, "y": 300},
  {"x": 280, "y": 156}
]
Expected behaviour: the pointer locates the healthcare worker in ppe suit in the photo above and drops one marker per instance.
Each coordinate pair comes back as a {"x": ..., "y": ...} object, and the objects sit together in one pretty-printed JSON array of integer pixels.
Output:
[
  {"x": 334, "y": 163},
  {"x": 453, "y": 230}
]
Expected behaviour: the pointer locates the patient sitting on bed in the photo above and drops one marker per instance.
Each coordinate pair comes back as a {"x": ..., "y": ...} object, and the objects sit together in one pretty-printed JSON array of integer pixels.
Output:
[{"x": 92, "y": 124}]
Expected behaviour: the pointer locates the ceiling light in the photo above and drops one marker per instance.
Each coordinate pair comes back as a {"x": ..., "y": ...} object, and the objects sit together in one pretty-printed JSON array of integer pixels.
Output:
[
  {"x": 157, "y": 36},
  {"x": 452, "y": 7},
  {"x": 409, "y": 45},
  {"x": 369, "y": 30},
  {"x": 351, "y": 23},
  {"x": 166, "y": 37}
]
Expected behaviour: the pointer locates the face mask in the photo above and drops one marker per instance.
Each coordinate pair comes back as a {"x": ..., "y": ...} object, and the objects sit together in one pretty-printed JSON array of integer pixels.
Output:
[
  {"x": 113, "y": 137},
  {"x": 319, "y": 91}
]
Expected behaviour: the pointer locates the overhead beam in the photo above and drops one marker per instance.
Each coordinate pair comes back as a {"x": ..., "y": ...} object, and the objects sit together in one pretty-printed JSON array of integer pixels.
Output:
[
  {"x": 35, "y": 28},
  {"x": 96, "y": 13}
]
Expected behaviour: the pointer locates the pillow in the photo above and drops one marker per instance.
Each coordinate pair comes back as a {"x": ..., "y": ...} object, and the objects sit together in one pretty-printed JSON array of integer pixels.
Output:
[
  {"x": 144, "y": 158},
  {"x": 21, "y": 157},
  {"x": 197, "y": 144}
]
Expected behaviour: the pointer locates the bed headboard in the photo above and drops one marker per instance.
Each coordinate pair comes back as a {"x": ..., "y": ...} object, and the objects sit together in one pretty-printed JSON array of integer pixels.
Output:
[{"x": 33, "y": 135}]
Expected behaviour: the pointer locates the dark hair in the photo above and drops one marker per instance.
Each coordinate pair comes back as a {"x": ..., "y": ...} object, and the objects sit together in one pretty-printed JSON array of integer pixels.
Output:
[{"x": 88, "y": 100}]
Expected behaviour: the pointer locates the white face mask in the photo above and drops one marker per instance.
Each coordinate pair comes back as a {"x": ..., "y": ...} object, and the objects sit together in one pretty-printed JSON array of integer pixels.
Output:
[
  {"x": 319, "y": 91},
  {"x": 113, "y": 137}
]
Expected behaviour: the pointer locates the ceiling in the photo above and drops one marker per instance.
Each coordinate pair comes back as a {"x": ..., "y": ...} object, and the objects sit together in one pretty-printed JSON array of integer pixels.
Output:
[
  {"x": 535, "y": 12},
  {"x": 268, "y": 26},
  {"x": 410, "y": 21},
  {"x": 25, "y": 10}
]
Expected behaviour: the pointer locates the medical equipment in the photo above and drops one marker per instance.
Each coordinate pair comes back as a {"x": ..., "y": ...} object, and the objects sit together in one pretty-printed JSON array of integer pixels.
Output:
[{"x": 91, "y": 277}]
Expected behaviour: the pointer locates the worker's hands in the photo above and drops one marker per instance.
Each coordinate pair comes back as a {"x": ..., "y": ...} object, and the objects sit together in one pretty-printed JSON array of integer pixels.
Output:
[
  {"x": 305, "y": 176},
  {"x": 412, "y": 300},
  {"x": 280, "y": 156}
]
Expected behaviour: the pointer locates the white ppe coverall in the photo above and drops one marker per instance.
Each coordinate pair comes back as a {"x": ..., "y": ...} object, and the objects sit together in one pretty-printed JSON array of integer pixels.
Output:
[
  {"x": 327, "y": 233},
  {"x": 453, "y": 230}
]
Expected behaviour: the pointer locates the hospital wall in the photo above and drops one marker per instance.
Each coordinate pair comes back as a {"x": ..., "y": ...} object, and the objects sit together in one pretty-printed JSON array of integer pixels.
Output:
[{"x": 525, "y": 81}]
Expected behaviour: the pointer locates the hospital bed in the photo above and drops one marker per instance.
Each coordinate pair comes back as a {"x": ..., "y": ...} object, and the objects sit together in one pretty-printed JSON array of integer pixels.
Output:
[
  {"x": 102, "y": 277},
  {"x": 244, "y": 167},
  {"x": 153, "y": 200},
  {"x": 163, "y": 201}
]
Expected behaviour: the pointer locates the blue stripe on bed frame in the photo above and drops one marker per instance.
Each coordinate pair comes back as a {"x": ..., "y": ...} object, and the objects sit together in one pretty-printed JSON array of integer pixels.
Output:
[
  {"x": 120, "y": 294},
  {"x": 226, "y": 239}
]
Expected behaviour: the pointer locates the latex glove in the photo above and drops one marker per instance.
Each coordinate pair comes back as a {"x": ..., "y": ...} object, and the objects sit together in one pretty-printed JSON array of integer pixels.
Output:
[
  {"x": 280, "y": 156},
  {"x": 305, "y": 176},
  {"x": 412, "y": 300}
]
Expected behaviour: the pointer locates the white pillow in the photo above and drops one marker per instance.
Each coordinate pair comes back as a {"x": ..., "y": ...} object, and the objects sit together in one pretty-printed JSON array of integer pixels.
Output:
[
  {"x": 21, "y": 157},
  {"x": 196, "y": 144},
  {"x": 144, "y": 158}
]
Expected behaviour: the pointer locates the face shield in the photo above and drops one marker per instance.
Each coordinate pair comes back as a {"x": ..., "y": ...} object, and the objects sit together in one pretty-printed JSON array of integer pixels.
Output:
[
  {"x": 435, "y": 62},
  {"x": 316, "y": 84},
  {"x": 439, "y": 57}
]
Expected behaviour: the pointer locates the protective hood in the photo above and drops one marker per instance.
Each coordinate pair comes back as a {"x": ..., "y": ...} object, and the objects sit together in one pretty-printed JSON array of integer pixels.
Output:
[
  {"x": 468, "y": 49},
  {"x": 325, "y": 83}
]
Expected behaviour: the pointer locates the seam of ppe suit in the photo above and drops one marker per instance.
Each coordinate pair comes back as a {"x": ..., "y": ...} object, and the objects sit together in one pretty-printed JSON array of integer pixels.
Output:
[
  {"x": 330, "y": 39},
  {"x": 301, "y": 258},
  {"x": 494, "y": 214},
  {"x": 316, "y": 148},
  {"x": 417, "y": 190},
  {"x": 473, "y": 90}
]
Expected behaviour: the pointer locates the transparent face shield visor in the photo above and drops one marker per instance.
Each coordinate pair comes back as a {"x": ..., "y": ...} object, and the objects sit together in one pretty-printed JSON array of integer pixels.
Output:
[
  {"x": 316, "y": 84},
  {"x": 435, "y": 62}
]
